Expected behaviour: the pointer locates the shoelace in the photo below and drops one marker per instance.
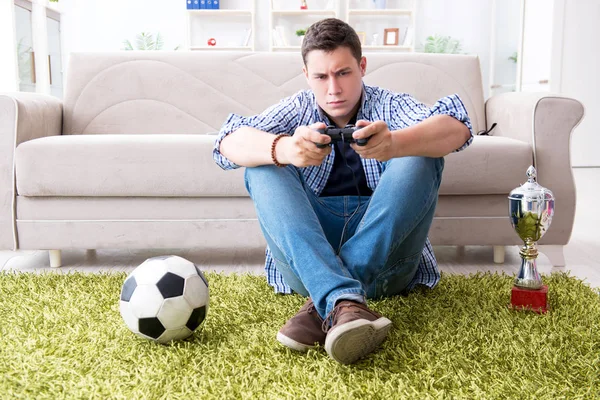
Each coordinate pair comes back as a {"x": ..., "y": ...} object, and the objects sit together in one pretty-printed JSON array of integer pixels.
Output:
[{"x": 329, "y": 319}]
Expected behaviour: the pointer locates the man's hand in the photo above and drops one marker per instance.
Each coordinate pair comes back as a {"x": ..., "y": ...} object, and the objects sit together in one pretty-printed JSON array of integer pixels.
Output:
[
  {"x": 301, "y": 150},
  {"x": 380, "y": 145}
]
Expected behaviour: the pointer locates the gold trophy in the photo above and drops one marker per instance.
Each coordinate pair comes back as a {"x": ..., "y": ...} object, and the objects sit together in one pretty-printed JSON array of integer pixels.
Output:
[{"x": 531, "y": 208}]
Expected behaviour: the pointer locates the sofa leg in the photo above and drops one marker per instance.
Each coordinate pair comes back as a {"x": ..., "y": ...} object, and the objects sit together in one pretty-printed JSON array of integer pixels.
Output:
[
  {"x": 55, "y": 260},
  {"x": 499, "y": 254},
  {"x": 555, "y": 254}
]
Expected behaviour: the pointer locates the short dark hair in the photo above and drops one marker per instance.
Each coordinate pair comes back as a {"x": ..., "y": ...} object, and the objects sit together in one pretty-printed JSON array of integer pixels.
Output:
[{"x": 329, "y": 34}]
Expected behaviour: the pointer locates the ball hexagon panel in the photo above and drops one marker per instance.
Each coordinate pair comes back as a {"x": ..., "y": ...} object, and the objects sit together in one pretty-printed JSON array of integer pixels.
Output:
[
  {"x": 195, "y": 291},
  {"x": 128, "y": 288},
  {"x": 149, "y": 272},
  {"x": 151, "y": 327},
  {"x": 174, "y": 334},
  {"x": 196, "y": 318},
  {"x": 130, "y": 319},
  {"x": 174, "y": 312},
  {"x": 180, "y": 266},
  {"x": 171, "y": 285},
  {"x": 146, "y": 301}
]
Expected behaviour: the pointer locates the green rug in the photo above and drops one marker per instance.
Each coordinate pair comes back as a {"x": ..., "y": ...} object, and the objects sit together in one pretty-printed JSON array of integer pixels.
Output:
[{"x": 62, "y": 337}]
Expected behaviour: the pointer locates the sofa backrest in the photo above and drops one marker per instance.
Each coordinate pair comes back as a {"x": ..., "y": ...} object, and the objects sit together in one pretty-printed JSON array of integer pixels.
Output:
[{"x": 152, "y": 92}]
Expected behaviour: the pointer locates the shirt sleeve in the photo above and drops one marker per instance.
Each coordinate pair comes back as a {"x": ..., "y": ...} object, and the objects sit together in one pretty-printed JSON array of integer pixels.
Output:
[
  {"x": 409, "y": 111},
  {"x": 282, "y": 117}
]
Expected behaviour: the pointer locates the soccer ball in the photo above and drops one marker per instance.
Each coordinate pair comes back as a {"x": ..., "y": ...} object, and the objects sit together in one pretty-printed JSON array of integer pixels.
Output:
[{"x": 164, "y": 299}]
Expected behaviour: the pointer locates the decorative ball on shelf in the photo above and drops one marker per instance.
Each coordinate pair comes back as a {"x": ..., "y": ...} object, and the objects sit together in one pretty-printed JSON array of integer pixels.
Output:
[{"x": 212, "y": 42}]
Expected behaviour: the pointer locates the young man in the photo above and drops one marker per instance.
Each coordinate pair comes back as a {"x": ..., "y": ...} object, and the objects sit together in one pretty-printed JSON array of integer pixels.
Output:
[{"x": 344, "y": 222}]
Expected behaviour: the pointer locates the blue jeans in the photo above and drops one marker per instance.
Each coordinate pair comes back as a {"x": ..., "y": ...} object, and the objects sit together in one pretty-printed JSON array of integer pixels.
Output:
[{"x": 381, "y": 246}]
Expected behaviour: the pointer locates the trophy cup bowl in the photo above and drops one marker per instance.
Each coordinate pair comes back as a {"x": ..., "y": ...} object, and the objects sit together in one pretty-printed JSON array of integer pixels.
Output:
[{"x": 531, "y": 208}]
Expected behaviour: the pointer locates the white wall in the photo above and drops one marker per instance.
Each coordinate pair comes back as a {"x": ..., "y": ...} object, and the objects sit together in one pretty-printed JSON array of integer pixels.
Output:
[
  {"x": 578, "y": 72},
  {"x": 466, "y": 20},
  {"x": 8, "y": 48},
  {"x": 104, "y": 25}
]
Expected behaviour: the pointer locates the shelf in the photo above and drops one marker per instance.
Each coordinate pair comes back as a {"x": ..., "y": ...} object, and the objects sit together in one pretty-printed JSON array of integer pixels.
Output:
[
  {"x": 286, "y": 47},
  {"x": 223, "y": 13},
  {"x": 303, "y": 12},
  {"x": 391, "y": 47},
  {"x": 213, "y": 48},
  {"x": 387, "y": 11}
]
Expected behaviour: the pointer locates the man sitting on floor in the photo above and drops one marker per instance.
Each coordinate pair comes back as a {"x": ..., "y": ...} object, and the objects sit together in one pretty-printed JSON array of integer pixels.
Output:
[{"x": 344, "y": 222}]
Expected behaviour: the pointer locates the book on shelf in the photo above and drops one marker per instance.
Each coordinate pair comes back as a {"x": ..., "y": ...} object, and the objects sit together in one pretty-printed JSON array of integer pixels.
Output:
[
  {"x": 202, "y": 4},
  {"x": 247, "y": 38},
  {"x": 215, "y": 4},
  {"x": 408, "y": 37},
  {"x": 281, "y": 35}
]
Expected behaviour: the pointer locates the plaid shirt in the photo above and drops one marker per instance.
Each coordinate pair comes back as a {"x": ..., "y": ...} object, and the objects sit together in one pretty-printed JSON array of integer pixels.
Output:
[{"x": 398, "y": 110}]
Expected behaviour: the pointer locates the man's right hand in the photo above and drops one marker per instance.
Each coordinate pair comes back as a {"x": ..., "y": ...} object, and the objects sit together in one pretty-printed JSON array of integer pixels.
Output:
[{"x": 301, "y": 150}]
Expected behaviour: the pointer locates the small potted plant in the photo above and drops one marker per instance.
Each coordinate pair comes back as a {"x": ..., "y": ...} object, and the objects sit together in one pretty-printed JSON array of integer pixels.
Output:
[{"x": 300, "y": 33}]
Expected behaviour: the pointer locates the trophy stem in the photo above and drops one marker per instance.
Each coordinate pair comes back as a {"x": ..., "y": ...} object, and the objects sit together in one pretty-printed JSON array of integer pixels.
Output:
[{"x": 528, "y": 277}]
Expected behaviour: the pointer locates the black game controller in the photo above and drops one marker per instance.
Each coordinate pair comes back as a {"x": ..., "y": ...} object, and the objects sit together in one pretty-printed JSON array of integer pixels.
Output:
[{"x": 341, "y": 134}]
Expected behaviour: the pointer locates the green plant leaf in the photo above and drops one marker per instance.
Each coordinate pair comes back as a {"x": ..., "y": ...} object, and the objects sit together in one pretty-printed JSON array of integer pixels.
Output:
[
  {"x": 158, "y": 45},
  {"x": 127, "y": 45}
]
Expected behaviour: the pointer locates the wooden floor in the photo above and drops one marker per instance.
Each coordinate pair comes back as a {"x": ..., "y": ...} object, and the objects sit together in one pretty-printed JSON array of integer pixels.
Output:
[{"x": 582, "y": 254}]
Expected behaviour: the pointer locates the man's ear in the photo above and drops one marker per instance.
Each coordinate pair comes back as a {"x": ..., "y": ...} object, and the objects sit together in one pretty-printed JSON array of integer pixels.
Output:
[
  {"x": 363, "y": 65},
  {"x": 305, "y": 72}
]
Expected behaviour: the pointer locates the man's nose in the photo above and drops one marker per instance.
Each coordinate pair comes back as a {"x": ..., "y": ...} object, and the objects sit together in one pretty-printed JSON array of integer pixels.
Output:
[{"x": 334, "y": 87}]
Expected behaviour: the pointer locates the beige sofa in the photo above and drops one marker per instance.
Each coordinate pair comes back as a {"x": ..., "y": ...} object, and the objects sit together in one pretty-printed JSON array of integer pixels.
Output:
[{"x": 125, "y": 161}]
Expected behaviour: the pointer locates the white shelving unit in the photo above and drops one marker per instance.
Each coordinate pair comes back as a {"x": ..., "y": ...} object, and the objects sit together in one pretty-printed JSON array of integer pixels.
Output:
[
  {"x": 233, "y": 26},
  {"x": 286, "y": 18},
  {"x": 368, "y": 21}
]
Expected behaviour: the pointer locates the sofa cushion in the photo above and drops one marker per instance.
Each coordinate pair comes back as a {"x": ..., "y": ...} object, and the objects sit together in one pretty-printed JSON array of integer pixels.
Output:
[
  {"x": 124, "y": 165},
  {"x": 182, "y": 166},
  {"x": 490, "y": 165}
]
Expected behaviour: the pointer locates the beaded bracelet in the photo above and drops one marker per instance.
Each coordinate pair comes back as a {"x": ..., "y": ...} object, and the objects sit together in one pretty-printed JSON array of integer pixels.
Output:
[{"x": 273, "y": 157}]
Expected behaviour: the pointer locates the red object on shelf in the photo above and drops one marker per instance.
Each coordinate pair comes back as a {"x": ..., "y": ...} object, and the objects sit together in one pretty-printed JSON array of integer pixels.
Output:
[
  {"x": 528, "y": 299},
  {"x": 212, "y": 42},
  {"x": 303, "y": 5}
]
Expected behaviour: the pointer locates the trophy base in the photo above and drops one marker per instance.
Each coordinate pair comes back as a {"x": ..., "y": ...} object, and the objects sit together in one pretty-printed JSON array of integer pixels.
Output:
[{"x": 530, "y": 299}]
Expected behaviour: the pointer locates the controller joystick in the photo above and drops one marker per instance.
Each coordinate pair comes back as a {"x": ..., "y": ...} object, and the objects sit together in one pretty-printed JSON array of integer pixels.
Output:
[{"x": 341, "y": 135}]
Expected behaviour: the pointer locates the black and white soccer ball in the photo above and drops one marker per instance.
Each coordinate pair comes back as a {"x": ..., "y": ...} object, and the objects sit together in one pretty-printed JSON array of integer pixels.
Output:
[{"x": 164, "y": 299}]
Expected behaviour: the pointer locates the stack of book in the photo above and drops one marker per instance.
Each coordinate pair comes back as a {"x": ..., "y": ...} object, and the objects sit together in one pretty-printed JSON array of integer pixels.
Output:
[{"x": 202, "y": 4}]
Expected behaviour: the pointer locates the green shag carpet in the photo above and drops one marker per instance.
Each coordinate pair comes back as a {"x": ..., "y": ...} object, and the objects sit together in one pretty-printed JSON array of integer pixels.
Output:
[{"x": 61, "y": 336}]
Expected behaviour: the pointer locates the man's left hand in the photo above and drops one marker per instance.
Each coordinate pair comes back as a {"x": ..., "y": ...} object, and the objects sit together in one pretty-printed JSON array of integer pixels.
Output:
[{"x": 380, "y": 144}]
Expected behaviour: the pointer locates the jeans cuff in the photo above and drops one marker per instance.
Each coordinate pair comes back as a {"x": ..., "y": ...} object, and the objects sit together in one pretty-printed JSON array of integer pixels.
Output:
[{"x": 358, "y": 296}]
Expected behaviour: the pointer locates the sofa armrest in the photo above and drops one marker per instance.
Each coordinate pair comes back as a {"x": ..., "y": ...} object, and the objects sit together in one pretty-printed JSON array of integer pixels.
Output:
[
  {"x": 545, "y": 121},
  {"x": 23, "y": 116}
]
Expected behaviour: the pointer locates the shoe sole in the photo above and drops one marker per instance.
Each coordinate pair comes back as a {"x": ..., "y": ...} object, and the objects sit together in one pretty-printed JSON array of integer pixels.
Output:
[
  {"x": 353, "y": 340},
  {"x": 292, "y": 344}
]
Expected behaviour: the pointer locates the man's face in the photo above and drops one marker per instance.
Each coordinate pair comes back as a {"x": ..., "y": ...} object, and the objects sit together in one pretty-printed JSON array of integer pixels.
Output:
[{"x": 336, "y": 80}]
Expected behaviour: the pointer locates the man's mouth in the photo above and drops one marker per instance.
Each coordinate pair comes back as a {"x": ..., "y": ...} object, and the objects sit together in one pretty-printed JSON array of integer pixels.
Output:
[{"x": 336, "y": 103}]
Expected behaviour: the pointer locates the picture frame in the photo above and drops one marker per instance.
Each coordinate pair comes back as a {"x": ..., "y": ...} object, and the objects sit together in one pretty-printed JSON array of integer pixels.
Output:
[
  {"x": 390, "y": 36},
  {"x": 363, "y": 37}
]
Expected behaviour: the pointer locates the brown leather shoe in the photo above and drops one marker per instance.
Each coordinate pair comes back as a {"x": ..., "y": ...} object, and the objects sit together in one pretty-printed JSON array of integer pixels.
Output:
[
  {"x": 303, "y": 330},
  {"x": 355, "y": 331}
]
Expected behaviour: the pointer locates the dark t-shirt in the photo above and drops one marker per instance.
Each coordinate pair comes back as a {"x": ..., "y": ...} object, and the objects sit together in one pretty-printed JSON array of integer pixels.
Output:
[{"x": 340, "y": 182}]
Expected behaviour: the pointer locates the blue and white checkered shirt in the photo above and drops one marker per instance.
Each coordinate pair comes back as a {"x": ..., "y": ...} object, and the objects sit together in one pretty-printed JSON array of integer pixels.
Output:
[{"x": 398, "y": 110}]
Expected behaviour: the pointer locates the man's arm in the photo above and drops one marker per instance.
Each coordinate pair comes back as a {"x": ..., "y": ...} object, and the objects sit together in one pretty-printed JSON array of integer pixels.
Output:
[
  {"x": 248, "y": 147},
  {"x": 436, "y": 136},
  {"x": 417, "y": 130},
  {"x": 251, "y": 147}
]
